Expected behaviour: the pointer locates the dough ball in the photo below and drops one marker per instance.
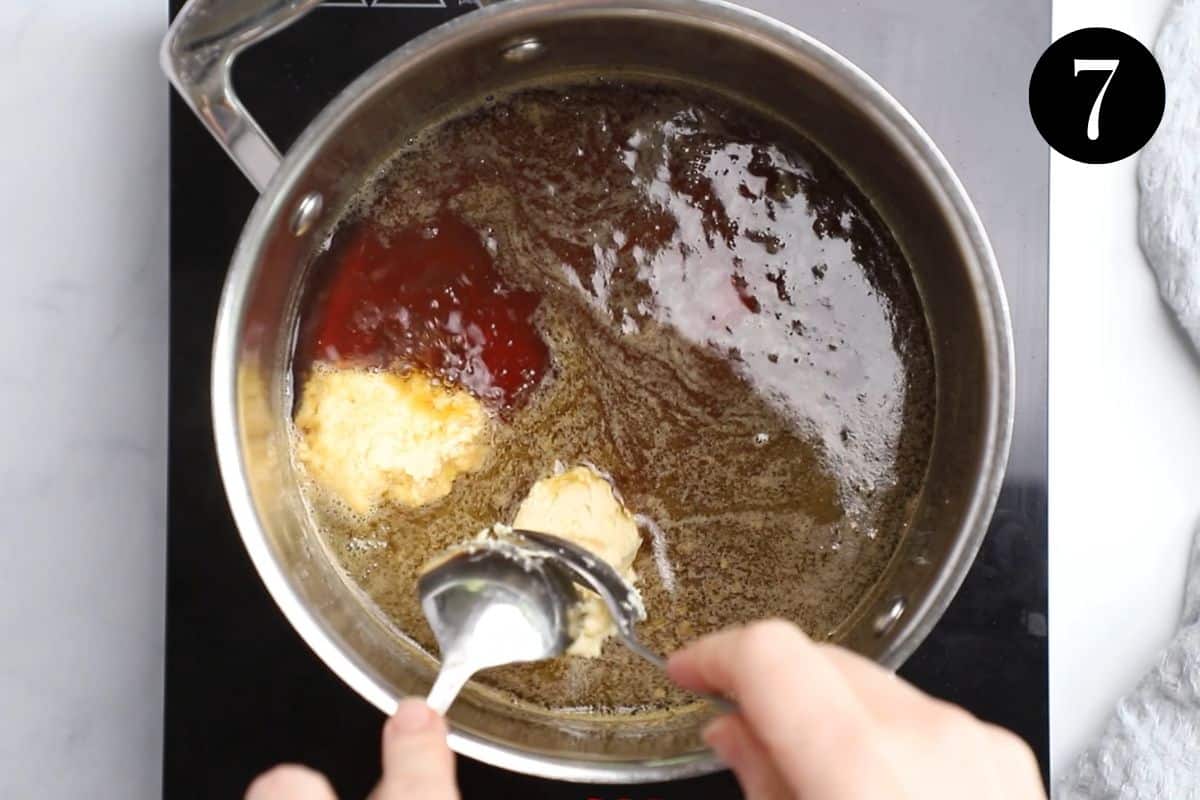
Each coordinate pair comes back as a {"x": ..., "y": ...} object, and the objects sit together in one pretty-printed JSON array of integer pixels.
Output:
[
  {"x": 369, "y": 437},
  {"x": 580, "y": 505}
]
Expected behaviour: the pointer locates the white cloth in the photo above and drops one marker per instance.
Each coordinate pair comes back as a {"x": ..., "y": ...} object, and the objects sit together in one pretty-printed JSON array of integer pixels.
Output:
[
  {"x": 1169, "y": 170},
  {"x": 1150, "y": 748}
]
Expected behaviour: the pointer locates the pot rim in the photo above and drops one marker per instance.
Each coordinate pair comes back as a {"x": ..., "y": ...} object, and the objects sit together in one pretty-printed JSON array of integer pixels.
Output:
[{"x": 767, "y": 32}]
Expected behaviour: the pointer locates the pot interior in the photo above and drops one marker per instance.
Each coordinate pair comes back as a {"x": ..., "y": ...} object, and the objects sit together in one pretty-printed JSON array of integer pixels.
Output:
[{"x": 746, "y": 58}]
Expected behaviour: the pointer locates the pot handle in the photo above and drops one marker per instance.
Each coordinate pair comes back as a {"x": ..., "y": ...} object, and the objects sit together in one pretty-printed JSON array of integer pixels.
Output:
[{"x": 197, "y": 56}]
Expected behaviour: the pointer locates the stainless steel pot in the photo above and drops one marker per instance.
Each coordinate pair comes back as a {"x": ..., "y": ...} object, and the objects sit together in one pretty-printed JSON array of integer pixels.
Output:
[{"x": 716, "y": 44}]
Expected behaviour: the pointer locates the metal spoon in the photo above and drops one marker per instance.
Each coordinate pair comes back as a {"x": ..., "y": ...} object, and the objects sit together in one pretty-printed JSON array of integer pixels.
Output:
[
  {"x": 498, "y": 603},
  {"x": 622, "y": 600},
  {"x": 493, "y": 605}
]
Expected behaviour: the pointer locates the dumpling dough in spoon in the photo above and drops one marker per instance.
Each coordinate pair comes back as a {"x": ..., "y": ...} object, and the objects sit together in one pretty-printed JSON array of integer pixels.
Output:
[{"x": 580, "y": 505}]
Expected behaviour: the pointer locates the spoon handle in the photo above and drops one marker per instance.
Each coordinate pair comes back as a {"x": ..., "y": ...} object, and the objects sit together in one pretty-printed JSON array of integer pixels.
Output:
[
  {"x": 722, "y": 705},
  {"x": 634, "y": 644},
  {"x": 449, "y": 683}
]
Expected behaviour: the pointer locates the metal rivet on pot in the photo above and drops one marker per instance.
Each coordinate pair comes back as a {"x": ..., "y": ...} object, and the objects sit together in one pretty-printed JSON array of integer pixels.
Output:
[
  {"x": 523, "y": 50},
  {"x": 890, "y": 615},
  {"x": 306, "y": 213}
]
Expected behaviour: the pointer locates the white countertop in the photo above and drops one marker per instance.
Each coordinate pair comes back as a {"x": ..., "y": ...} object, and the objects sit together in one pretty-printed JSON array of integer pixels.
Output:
[
  {"x": 84, "y": 377},
  {"x": 83, "y": 398}
]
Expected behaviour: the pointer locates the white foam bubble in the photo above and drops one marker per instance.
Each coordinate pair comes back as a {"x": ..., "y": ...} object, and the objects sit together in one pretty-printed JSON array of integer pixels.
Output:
[{"x": 658, "y": 547}]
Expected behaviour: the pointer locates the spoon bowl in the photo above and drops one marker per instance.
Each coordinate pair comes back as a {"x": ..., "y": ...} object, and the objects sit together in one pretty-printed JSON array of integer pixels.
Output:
[
  {"x": 490, "y": 605},
  {"x": 622, "y": 600}
]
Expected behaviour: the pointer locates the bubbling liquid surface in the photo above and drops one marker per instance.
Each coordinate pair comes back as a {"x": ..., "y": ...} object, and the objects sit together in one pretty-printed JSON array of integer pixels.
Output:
[{"x": 723, "y": 325}]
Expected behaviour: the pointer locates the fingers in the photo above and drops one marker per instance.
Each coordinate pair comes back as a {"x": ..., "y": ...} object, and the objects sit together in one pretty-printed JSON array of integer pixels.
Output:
[
  {"x": 795, "y": 700},
  {"x": 885, "y": 696},
  {"x": 290, "y": 782},
  {"x": 417, "y": 762},
  {"x": 737, "y": 746},
  {"x": 726, "y": 661},
  {"x": 906, "y": 709},
  {"x": 1015, "y": 760}
]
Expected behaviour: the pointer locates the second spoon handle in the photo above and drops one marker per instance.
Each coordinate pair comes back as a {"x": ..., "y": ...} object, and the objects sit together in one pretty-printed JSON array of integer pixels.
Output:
[{"x": 723, "y": 705}]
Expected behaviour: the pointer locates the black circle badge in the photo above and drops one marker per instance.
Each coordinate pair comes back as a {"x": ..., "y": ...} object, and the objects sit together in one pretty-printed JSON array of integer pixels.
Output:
[{"x": 1097, "y": 95}]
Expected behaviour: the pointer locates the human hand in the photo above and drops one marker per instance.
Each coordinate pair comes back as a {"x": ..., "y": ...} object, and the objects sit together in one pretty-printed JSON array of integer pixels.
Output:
[
  {"x": 819, "y": 722},
  {"x": 417, "y": 763}
]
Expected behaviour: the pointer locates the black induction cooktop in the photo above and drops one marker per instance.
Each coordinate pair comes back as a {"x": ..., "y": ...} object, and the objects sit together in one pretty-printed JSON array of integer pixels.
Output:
[{"x": 243, "y": 691}]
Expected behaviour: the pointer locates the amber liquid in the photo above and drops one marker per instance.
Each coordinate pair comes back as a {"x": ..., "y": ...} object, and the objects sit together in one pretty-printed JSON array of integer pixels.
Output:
[{"x": 733, "y": 336}]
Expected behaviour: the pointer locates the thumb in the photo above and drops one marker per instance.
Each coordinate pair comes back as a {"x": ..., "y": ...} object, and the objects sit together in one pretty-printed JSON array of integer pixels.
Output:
[
  {"x": 417, "y": 762},
  {"x": 290, "y": 782}
]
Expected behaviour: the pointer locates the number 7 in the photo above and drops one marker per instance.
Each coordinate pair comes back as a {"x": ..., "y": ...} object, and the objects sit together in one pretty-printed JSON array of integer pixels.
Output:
[{"x": 1108, "y": 65}]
